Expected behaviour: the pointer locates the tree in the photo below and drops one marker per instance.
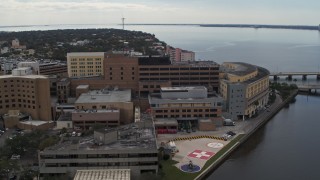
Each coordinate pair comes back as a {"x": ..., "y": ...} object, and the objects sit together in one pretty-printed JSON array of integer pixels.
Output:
[
  {"x": 6, "y": 166},
  {"x": 166, "y": 157},
  {"x": 48, "y": 142},
  {"x": 28, "y": 174},
  {"x": 63, "y": 130}
]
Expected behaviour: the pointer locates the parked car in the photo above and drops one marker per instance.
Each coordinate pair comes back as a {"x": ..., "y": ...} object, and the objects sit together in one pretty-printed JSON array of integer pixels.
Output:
[
  {"x": 228, "y": 122},
  {"x": 13, "y": 177},
  {"x": 231, "y": 133},
  {"x": 226, "y": 136},
  {"x": 15, "y": 156}
]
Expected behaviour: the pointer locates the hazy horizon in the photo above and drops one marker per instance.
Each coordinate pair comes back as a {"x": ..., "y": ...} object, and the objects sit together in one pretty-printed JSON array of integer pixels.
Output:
[{"x": 51, "y": 12}]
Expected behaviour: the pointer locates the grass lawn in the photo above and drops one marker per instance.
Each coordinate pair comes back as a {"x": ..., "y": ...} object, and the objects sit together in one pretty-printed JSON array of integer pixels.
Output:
[{"x": 170, "y": 171}]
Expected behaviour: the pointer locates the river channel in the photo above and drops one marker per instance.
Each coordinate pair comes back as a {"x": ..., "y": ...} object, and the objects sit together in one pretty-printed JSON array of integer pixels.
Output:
[{"x": 286, "y": 148}]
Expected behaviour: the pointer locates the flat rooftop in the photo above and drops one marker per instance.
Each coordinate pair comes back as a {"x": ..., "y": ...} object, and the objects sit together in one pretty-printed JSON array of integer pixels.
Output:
[
  {"x": 197, "y": 64},
  {"x": 81, "y": 54},
  {"x": 96, "y": 111},
  {"x": 134, "y": 138},
  {"x": 24, "y": 76},
  {"x": 105, "y": 96},
  {"x": 64, "y": 81},
  {"x": 35, "y": 122},
  {"x": 103, "y": 174},
  {"x": 156, "y": 97},
  {"x": 172, "y": 89},
  {"x": 262, "y": 72},
  {"x": 240, "y": 69},
  {"x": 83, "y": 86},
  {"x": 154, "y": 61}
]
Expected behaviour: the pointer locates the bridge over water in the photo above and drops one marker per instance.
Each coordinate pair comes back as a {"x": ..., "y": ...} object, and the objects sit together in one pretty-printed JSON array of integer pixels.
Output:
[
  {"x": 309, "y": 87},
  {"x": 290, "y": 74}
]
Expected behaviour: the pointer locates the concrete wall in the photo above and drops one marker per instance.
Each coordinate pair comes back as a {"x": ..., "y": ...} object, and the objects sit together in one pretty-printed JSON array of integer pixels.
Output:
[
  {"x": 96, "y": 116},
  {"x": 236, "y": 102},
  {"x": 126, "y": 109},
  {"x": 185, "y": 93},
  {"x": 44, "y": 126},
  {"x": 206, "y": 125},
  {"x": 105, "y": 138},
  {"x": 64, "y": 124}
]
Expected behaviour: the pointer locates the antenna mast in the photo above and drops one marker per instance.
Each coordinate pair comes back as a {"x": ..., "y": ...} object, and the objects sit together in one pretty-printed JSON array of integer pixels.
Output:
[{"x": 123, "y": 22}]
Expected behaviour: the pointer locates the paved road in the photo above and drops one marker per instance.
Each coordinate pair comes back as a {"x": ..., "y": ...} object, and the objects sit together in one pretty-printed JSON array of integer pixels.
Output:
[{"x": 6, "y": 135}]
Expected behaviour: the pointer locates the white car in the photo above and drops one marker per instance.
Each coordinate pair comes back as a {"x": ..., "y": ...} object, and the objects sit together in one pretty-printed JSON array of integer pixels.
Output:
[{"x": 15, "y": 156}]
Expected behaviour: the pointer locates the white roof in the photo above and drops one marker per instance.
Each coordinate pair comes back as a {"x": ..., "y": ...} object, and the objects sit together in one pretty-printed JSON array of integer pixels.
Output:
[
  {"x": 35, "y": 123},
  {"x": 182, "y": 88},
  {"x": 24, "y": 76},
  {"x": 105, "y": 96},
  {"x": 103, "y": 174},
  {"x": 83, "y": 86}
]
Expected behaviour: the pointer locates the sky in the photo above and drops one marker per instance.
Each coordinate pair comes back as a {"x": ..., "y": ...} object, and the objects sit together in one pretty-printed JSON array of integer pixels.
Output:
[{"x": 47, "y": 12}]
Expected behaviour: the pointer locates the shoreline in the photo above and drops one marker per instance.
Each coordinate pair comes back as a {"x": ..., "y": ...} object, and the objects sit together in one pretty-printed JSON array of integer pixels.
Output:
[
  {"x": 255, "y": 26},
  {"x": 262, "y": 121}
]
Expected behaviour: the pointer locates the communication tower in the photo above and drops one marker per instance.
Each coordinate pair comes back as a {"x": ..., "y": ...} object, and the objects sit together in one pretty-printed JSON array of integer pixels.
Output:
[{"x": 123, "y": 22}]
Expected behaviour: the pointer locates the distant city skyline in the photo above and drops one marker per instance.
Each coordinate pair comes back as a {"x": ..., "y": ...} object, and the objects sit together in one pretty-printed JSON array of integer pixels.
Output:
[{"x": 40, "y": 12}]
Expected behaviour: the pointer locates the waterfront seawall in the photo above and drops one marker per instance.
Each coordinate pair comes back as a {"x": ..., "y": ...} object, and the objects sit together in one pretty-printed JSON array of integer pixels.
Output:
[{"x": 261, "y": 123}]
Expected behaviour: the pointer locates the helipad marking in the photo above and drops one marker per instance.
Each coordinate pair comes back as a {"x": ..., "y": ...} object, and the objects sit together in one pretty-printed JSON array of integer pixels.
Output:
[
  {"x": 204, "y": 155},
  {"x": 215, "y": 145},
  {"x": 186, "y": 168}
]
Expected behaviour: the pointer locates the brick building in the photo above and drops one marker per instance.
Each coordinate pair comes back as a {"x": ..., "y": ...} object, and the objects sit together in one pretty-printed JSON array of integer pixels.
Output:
[{"x": 27, "y": 93}]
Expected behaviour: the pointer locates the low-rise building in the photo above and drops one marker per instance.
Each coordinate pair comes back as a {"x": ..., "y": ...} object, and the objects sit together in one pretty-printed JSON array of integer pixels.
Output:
[
  {"x": 54, "y": 68},
  {"x": 86, "y": 119},
  {"x": 128, "y": 147},
  {"x": 180, "y": 55},
  {"x": 16, "y": 119},
  {"x": 16, "y": 44},
  {"x": 34, "y": 65},
  {"x": 187, "y": 105},
  {"x": 108, "y": 99}
]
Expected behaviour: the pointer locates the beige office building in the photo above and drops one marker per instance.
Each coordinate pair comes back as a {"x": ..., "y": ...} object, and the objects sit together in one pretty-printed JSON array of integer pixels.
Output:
[
  {"x": 27, "y": 93},
  {"x": 244, "y": 87},
  {"x": 85, "y": 64}
]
